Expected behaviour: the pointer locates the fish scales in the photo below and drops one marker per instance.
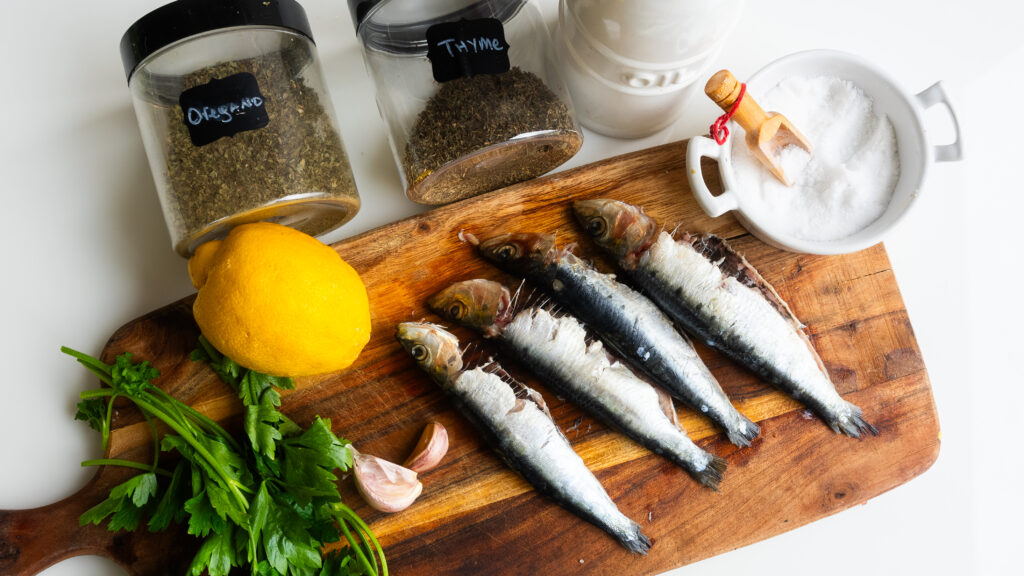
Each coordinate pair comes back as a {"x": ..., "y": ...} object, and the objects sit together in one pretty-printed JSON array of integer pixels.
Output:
[
  {"x": 628, "y": 322},
  {"x": 562, "y": 353},
  {"x": 531, "y": 443},
  {"x": 513, "y": 419},
  {"x": 556, "y": 349},
  {"x": 740, "y": 322},
  {"x": 717, "y": 296}
]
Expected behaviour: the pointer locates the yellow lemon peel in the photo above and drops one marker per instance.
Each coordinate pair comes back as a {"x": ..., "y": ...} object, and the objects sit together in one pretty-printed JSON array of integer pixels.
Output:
[
  {"x": 199, "y": 263},
  {"x": 279, "y": 301}
]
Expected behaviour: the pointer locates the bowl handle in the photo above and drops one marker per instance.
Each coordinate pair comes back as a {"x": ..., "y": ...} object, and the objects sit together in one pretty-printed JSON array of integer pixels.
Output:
[
  {"x": 703, "y": 147},
  {"x": 935, "y": 94}
]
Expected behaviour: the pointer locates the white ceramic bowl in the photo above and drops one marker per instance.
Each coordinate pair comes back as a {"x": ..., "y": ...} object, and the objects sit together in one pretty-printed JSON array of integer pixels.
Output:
[{"x": 906, "y": 113}]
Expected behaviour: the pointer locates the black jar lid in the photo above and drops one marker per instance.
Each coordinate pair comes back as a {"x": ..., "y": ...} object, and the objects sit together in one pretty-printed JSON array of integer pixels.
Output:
[
  {"x": 406, "y": 33},
  {"x": 359, "y": 9},
  {"x": 183, "y": 18}
]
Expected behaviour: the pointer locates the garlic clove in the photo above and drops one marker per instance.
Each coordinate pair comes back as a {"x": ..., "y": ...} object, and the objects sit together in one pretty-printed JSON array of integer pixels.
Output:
[
  {"x": 430, "y": 449},
  {"x": 384, "y": 485}
]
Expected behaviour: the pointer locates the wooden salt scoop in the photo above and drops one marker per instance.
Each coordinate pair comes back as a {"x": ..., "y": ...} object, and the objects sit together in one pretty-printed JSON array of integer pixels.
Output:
[{"x": 767, "y": 132}]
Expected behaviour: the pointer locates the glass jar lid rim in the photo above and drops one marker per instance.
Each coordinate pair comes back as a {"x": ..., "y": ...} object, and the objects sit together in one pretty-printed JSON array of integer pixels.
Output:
[
  {"x": 184, "y": 18},
  {"x": 409, "y": 36}
]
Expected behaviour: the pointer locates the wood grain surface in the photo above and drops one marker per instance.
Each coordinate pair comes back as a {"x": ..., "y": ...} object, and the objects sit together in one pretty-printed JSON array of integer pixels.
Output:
[{"x": 475, "y": 515}]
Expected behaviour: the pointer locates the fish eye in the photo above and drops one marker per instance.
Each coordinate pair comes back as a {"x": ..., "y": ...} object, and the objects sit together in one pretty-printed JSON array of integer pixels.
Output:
[
  {"x": 457, "y": 310},
  {"x": 596, "y": 226},
  {"x": 507, "y": 251},
  {"x": 418, "y": 352}
]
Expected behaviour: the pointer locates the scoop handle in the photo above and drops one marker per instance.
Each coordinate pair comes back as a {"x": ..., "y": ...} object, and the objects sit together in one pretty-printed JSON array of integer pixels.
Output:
[{"x": 723, "y": 88}]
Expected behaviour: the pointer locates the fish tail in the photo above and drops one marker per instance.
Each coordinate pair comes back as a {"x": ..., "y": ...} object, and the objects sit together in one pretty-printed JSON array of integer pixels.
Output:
[
  {"x": 743, "y": 434},
  {"x": 634, "y": 540},
  {"x": 852, "y": 422},
  {"x": 712, "y": 473}
]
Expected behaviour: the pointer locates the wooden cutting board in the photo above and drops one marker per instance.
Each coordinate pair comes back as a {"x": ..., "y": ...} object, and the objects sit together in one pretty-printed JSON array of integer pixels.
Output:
[{"x": 476, "y": 516}]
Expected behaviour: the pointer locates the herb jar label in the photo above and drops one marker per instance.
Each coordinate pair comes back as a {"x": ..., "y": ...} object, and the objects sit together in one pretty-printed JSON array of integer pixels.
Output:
[
  {"x": 467, "y": 48},
  {"x": 223, "y": 107}
]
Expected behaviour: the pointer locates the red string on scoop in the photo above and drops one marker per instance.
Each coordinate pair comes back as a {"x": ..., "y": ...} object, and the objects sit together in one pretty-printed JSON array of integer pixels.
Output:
[{"x": 719, "y": 130}]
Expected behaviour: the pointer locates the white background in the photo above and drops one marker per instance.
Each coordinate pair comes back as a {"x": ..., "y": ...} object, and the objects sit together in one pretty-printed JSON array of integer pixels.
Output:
[{"x": 85, "y": 251}]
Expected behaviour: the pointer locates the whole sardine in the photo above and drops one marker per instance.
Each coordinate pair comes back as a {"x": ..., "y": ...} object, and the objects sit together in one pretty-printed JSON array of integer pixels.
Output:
[
  {"x": 556, "y": 349},
  {"x": 515, "y": 421},
  {"x": 717, "y": 296},
  {"x": 626, "y": 320}
]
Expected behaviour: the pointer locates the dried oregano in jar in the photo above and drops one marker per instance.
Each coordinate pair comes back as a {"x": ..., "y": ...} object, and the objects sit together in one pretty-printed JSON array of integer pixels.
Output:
[
  {"x": 236, "y": 120},
  {"x": 467, "y": 94}
]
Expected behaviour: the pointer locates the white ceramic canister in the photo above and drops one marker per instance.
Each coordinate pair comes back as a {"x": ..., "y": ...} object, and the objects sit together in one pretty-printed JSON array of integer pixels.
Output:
[
  {"x": 631, "y": 66},
  {"x": 905, "y": 112}
]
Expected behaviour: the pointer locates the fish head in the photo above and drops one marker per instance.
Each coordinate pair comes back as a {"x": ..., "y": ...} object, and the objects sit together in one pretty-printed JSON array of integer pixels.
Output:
[
  {"x": 433, "y": 348},
  {"x": 619, "y": 228},
  {"x": 519, "y": 253},
  {"x": 480, "y": 304}
]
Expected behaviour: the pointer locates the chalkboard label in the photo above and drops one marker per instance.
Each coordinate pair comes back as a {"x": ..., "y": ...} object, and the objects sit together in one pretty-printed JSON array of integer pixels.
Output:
[
  {"x": 467, "y": 48},
  {"x": 223, "y": 107}
]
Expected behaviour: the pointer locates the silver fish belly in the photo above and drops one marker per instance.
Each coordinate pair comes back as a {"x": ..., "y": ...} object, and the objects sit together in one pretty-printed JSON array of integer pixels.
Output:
[
  {"x": 556, "y": 349},
  {"x": 642, "y": 334},
  {"x": 532, "y": 444},
  {"x": 746, "y": 320}
]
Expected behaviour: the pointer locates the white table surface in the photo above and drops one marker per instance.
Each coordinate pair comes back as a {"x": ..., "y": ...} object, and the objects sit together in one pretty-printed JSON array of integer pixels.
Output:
[{"x": 86, "y": 250}]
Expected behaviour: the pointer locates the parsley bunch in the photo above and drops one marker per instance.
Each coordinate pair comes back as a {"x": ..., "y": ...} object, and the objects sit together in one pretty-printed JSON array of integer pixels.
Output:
[{"x": 269, "y": 502}]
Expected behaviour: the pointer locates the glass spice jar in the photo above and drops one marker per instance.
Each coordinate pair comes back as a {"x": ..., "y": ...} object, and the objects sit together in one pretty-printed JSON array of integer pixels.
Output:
[
  {"x": 236, "y": 120},
  {"x": 469, "y": 93}
]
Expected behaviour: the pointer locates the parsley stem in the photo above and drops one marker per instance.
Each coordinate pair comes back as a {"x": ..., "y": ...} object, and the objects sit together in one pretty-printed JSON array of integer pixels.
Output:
[
  {"x": 95, "y": 366},
  {"x": 188, "y": 436},
  {"x": 203, "y": 420},
  {"x": 98, "y": 393},
  {"x": 105, "y": 425},
  {"x": 182, "y": 430},
  {"x": 344, "y": 514},
  {"x": 125, "y": 464},
  {"x": 156, "y": 439}
]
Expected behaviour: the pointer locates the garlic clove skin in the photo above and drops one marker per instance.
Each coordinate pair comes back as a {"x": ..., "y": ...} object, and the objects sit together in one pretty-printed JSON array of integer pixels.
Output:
[
  {"x": 384, "y": 485},
  {"x": 431, "y": 448}
]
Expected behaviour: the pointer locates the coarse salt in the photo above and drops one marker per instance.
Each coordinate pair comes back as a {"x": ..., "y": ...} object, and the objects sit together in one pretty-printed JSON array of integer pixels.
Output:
[{"x": 848, "y": 180}]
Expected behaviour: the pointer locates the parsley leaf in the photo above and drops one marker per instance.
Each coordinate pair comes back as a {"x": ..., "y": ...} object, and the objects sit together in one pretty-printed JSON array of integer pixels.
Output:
[
  {"x": 203, "y": 518},
  {"x": 269, "y": 501},
  {"x": 310, "y": 459},
  {"x": 216, "y": 555},
  {"x": 125, "y": 504},
  {"x": 93, "y": 411},
  {"x": 289, "y": 546},
  {"x": 171, "y": 506},
  {"x": 262, "y": 423}
]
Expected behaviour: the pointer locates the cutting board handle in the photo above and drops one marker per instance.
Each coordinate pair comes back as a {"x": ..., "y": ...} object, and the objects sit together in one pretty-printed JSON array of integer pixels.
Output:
[{"x": 33, "y": 539}]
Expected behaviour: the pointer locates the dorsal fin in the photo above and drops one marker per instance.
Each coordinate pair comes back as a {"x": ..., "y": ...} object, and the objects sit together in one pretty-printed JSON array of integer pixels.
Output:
[
  {"x": 522, "y": 392},
  {"x": 733, "y": 264}
]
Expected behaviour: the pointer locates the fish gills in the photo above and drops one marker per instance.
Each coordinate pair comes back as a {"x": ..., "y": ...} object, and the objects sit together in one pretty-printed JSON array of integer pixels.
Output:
[
  {"x": 718, "y": 297},
  {"x": 626, "y": 320},
  {"x": 514, "y": 420},
  {"x": 556, "y": 349}
]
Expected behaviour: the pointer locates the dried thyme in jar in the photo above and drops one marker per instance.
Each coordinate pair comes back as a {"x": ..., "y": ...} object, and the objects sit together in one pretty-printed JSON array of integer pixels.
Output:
[
  {"x": 236, "y": 119},
  {"x": 467, "y": 94},
  {"x": 476, "y": 120}
]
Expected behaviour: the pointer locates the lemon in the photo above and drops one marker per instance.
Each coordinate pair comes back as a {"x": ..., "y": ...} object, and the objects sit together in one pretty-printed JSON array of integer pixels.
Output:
[{"x": 279, "y": 301}]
